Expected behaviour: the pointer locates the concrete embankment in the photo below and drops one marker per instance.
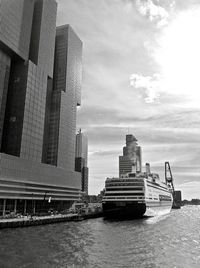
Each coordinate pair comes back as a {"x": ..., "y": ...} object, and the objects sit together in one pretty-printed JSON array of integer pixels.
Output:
[
  {"x": 92, "y": 215},
  {"x": 41, "y": 220}
]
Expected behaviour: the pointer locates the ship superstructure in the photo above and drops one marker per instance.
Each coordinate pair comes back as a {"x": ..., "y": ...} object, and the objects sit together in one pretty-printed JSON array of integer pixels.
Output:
[{"x": 137, "y": 193}]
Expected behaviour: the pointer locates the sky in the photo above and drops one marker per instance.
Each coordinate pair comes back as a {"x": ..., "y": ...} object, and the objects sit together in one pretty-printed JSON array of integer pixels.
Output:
[{"x": 141, "y": 76}]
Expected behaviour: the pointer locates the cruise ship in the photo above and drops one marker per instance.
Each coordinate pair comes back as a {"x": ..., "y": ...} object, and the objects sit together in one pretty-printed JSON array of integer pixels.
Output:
[{"x": 136, "y": 195}]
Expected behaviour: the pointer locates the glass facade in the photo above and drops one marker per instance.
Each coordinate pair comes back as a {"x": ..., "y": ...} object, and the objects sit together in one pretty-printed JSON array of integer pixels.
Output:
[
  {"x": 66, "y": 97},
  {"x": 14, "y": 113},
  {"x": 81, "y": 159},
  {"x": 43, "y": 35},
  {"x": 34, "y": 114},
  {"x": 16, "y": 22},
  {"x": 132, "y": 156},
  {"x": 39, "y": 94},
  {"x": 82, "y": 147},
  {"x": 5, "y": 62}
]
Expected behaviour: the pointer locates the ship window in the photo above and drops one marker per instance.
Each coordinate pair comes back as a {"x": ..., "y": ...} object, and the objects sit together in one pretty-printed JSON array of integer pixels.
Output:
[
  {"x": 124, "y": 189},
  {"x": 132, "y": 175},
  {"x": 124, "y": 194}
]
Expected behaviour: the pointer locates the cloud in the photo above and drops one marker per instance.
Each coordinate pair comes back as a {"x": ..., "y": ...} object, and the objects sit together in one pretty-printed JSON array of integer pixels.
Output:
[
  {"x": 153, "y": 11},
  {"x": 147, "y": 83},
  {"x": 181, "y": 5},
  {"x": 185, "y": 121},
  {"x": 119, "y": 39},
  {"x": 190, "y": 189},
  {"x": 172, "y": 135},
  {"x": 177, "y": 54},
  {"x": 105, "y": 153}
]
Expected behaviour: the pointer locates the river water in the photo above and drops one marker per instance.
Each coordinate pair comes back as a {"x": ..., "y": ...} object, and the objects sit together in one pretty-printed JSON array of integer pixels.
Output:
[{"x": 166, "y": 241}]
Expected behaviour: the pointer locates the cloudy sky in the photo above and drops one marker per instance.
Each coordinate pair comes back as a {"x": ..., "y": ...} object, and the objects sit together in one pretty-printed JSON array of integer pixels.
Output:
[{"x": 141, "y": 75}]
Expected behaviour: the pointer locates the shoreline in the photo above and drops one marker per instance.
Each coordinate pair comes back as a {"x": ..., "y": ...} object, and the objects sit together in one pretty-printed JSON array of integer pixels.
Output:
[{"x": 42, "y": 220}]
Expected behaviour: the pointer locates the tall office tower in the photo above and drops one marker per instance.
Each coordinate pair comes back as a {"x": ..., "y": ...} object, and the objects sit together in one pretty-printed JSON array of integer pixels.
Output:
[
  {"x": 15, "y": 32},
  {"x": 28, "y": 85},
  {"x": 82, "y": 146},
  {"x": 132, "y": 156},
  {"x": 39, "y": 94},
  {"x": 81, "y": 159},
  {"x": 66, "y": 95}
]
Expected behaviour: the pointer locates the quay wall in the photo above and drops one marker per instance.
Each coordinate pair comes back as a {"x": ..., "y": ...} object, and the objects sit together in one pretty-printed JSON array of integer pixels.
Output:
[{"x": 34, "y": 221}]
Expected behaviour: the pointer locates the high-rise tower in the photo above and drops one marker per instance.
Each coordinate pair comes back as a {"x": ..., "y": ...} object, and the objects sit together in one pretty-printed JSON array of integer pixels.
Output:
[
  {"x": 81, "y": 159},
  {"x": 64, "y": 99},
  {"x": 132, "y": 156},
  {"x": 39, "y": 94}
]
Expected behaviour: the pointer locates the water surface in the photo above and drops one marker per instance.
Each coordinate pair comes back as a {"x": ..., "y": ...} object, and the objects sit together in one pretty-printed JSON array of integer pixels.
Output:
[{"x": 167, "y": 241}]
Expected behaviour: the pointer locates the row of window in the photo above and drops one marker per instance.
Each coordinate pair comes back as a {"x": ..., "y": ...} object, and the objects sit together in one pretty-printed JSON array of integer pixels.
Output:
[
  {"x": 124, "y": 194},
  {"x": 125, "y": 184},
  {"x": 124, "y": 189}
]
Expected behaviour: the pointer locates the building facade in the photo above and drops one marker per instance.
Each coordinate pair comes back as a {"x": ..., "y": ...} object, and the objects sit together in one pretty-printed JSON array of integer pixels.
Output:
[
  {"x": 131, "y": 160},
  {"x": 81, "y": 160},
  {"x": 40, "y": 85}
]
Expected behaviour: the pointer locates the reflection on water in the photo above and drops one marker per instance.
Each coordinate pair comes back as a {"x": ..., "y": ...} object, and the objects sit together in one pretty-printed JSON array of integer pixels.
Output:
[{"x": 164, "y": 241}]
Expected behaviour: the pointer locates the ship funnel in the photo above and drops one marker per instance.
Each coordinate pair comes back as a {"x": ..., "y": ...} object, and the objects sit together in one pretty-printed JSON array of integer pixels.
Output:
[{"x": 148, "y": 168}]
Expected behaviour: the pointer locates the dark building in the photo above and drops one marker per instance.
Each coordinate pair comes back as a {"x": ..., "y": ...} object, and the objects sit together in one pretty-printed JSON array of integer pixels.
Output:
[
  {"x": 132, "y": 156},
  {"x": 177, "y": 199},
  {"x": 40, "y": 88},
  {"x": 81, "y": 160},
  {"x": 79, "y": 164},
  {"x": 84, "y": 180}
]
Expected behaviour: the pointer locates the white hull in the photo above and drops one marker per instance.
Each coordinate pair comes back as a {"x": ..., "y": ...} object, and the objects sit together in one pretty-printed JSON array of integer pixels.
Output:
[
  {"x": 157, "y": 209},
  {"x": 136, "y": 197}
]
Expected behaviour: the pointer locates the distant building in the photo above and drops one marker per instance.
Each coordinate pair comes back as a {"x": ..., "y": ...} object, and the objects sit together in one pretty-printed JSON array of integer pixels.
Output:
[
  {"x": 84, "y": 181},
  {"x": 177, "y": 199},
  {"x": 39, "y": 94},
  {"x": 132, "y": 156},
  {"x": 82, "y": 147},
  {"x": 81, "y": 160}
]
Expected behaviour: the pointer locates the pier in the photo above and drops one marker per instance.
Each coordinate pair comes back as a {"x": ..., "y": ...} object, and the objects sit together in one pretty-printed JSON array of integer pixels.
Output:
[{"x": 26, "y": 221}]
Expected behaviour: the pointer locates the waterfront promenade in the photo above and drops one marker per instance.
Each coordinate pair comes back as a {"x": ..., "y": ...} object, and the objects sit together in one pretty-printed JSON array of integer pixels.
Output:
[{"x": 25, "y": 221}]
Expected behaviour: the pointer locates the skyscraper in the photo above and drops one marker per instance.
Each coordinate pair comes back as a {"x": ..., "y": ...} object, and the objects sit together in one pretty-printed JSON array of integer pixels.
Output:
[
  {"x": 81, "y": 159},
  {"x": 132, "y": 156},
  {"x": 39, "y": 94},
  {"x": 64, "y": 99}
]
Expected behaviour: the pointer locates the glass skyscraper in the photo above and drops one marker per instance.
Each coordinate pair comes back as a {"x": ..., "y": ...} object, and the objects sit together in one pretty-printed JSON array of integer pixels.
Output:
[
  {"x": 81, "y": 160},
  {"x": 132, "y": 156},
  {"x": 40, "y": 88}
]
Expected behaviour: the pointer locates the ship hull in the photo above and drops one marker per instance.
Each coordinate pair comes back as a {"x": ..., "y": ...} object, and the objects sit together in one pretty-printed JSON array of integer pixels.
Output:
[
  {"x": 135, "y": 210},
  {"x": 158, "y": 208}
]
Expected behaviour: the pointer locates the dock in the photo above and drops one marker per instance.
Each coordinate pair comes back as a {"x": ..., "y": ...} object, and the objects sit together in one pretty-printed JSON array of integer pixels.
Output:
[{"x": 41, "y": 220}]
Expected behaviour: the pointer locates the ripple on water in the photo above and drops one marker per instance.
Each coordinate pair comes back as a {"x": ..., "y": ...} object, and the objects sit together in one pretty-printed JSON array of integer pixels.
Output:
[{"x": 167, "y": 241}]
